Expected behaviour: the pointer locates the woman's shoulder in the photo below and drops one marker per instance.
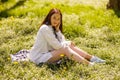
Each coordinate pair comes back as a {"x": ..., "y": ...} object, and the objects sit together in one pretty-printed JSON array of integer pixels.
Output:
[{"x": 45, "y": 27}]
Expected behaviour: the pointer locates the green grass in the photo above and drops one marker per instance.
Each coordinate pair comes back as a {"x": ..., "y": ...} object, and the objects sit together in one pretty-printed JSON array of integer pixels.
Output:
[{"x": 91, "y": 27}]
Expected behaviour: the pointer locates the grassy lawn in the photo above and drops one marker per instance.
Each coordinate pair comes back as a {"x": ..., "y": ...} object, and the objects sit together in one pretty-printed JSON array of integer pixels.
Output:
[{"x": 89, "y": 24}]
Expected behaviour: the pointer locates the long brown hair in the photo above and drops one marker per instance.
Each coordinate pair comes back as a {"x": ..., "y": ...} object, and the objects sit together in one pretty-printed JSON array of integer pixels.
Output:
[{"x": 47, "y": 20}]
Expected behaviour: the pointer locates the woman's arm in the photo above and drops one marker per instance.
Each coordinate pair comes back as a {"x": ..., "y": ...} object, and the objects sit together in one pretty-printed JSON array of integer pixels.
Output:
[
  {"x": 62, "y": 39},
  {"x": 49, "y": 36},
  {"x": 60, "y": 36}
]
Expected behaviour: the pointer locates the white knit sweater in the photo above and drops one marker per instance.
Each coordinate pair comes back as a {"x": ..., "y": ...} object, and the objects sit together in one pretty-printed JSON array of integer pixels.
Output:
[{"x": 45, "y": 42}]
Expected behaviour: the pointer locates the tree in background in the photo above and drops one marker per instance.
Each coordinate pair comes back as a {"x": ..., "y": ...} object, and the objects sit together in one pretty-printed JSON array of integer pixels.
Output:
[{"x": 114, "y": 4}]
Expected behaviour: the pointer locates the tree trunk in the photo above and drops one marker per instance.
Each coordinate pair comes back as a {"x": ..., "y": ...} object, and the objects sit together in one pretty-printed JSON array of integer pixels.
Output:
[{"x": 114, "y": 4}]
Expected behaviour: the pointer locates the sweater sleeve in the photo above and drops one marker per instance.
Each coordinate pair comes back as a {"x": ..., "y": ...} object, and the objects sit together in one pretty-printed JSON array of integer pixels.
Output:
[
  {"x": 60, "y": 36},
  {"x": 50, "y": 37},
  {"x": 62, "y": 39}
]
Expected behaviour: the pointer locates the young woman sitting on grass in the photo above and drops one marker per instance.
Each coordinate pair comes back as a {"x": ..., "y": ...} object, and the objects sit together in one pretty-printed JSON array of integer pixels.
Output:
[{"x": 50, "y": 43}]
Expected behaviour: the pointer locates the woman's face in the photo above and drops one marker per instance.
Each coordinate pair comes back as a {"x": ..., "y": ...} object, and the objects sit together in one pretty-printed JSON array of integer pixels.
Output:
[{"x": 55, "y": 19}]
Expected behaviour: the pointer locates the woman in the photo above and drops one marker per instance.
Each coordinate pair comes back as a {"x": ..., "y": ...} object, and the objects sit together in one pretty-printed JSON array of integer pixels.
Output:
[{"x": 50, "y": 43}]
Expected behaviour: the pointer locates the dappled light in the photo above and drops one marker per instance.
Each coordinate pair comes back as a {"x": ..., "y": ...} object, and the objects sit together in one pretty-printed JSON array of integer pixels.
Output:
[{"x": 88, "y": 23}]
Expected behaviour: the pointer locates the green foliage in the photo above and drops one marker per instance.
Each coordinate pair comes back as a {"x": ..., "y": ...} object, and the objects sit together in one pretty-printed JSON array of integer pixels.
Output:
[{"x": 95, "y": 30}]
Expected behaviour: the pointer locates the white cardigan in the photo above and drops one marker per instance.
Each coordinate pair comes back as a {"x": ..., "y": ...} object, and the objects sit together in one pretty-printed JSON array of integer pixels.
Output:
[{"x": 45, "y": 42}]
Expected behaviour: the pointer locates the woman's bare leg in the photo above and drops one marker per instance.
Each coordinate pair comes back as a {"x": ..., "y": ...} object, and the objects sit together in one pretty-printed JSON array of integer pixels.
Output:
[
  {"x": 69, "y": 53},
  {"x": 81, "y": 52}
]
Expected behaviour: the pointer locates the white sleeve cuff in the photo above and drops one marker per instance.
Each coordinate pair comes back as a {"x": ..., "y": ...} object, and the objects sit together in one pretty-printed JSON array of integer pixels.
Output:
[{"x": 66, "y": 43}]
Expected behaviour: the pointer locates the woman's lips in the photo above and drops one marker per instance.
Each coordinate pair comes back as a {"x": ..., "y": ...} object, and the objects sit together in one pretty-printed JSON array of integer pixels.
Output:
[{"x": 55, "y": 23}]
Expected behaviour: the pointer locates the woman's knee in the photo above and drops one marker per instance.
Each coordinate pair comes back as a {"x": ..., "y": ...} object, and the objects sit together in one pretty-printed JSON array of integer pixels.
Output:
[{"x": 65, "y": 49}]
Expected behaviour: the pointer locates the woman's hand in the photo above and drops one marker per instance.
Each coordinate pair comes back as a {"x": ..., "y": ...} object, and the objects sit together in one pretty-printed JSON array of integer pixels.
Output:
[
  {"x": 72, "y": 43},
  {"x": 69, "y": 43},
  {"x": 57, "y": 27}
]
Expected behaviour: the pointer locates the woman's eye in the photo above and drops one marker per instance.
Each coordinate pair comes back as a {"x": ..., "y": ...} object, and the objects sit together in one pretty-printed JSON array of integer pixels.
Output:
[{"x": 56, "y": 18}]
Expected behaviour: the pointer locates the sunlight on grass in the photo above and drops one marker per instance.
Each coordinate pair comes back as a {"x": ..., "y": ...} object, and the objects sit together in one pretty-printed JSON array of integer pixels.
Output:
[{"x": 87, "y": 23}]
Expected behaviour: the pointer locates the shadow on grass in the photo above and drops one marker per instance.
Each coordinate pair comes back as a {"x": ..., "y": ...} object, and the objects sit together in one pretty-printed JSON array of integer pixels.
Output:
[
  {"x": 3, "y": 1},
  {"x": 117, "y": 13},
  {"x": 4, "y": 13},
  {"x": 62, "y": 63}
]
